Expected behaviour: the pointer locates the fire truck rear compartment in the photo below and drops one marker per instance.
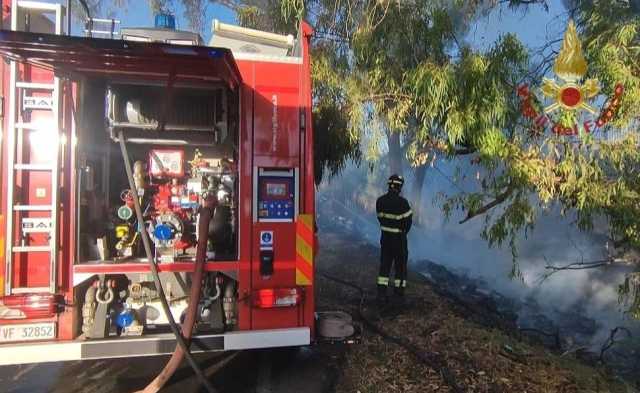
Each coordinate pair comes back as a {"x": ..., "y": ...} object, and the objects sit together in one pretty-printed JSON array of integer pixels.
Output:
[
  {"x": 173, "y": 174},
  {"x": 183, "y": 143}
]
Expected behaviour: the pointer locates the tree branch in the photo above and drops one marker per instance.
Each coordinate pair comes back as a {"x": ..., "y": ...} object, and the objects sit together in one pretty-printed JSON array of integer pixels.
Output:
[
  {"x": 387, "y": 96},
  {"x": 230, "y": 4},
  {"x": 611, "y": 341},
  {"x": 591, "y": 264},
  {"x": 552, "y": 269},
  {"x": 580, "y": 265},
  {"x": 499, "y": 199},
  {"x": 462, "y": 151}
]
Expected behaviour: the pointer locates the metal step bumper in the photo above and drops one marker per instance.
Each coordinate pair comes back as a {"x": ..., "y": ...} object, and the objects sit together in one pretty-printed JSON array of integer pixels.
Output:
[{"x": 11, "y": 354}]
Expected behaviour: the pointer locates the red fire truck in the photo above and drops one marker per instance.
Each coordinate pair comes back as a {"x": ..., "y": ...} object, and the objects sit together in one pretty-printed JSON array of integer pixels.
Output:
[{"x": 228, "y": 123}]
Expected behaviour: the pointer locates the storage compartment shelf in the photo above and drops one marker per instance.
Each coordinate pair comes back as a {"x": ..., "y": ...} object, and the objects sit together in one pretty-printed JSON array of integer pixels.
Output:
[{"x": 143, "y": 267}]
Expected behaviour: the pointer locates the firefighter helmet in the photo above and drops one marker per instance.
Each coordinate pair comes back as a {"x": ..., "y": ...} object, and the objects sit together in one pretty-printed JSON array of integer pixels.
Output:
[{"x": 395, "y": 181}]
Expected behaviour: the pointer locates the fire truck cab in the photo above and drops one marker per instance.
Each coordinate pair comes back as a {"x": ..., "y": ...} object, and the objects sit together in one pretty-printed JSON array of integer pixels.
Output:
[{"x": 230, "y": 122}]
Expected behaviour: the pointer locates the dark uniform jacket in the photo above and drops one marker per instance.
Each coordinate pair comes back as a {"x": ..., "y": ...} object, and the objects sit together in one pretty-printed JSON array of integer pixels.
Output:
[{"x": 394, "y": 214}]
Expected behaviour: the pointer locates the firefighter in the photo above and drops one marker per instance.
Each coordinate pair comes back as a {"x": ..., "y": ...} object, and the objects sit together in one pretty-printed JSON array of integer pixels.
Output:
[{"x": 395, "y": 216}]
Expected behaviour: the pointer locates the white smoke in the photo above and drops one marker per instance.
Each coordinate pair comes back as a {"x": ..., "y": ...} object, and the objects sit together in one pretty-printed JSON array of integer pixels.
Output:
[{"x": 554, "y": 241}]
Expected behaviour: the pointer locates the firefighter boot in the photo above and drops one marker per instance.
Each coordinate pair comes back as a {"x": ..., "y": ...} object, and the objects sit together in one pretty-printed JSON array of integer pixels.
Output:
[
  {"x": 398, "y": 293},
  {"x": 381, "y": 298}
]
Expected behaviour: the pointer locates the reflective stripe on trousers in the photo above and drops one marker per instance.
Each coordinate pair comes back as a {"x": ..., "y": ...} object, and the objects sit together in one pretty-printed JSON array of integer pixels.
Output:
[
  {"x": 393, "y": 254},
  {"x": 401, "y": 283}
]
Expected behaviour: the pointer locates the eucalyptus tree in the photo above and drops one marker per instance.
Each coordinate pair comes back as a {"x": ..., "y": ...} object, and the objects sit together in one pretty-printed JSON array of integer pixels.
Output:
[{"x": 407, "y": 73}]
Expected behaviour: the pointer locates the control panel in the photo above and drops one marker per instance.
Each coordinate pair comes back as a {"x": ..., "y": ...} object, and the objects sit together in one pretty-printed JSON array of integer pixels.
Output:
[{"x": 276, "y": 195}]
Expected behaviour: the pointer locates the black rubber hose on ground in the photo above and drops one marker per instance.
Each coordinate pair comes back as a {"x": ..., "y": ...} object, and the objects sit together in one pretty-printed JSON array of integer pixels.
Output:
[
  {"x": 429, "y": 360},
  {"x": 154, "y": 271}
]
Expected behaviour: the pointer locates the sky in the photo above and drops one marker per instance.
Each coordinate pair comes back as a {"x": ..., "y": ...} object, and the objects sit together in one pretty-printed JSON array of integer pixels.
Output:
[
  {"x": 534, "y": 25},
  {"x": 138, "y": 14}
]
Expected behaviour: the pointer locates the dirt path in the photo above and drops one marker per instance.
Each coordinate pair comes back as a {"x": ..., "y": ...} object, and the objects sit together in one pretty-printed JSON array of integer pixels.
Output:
[{"x": 288, "y": 370}]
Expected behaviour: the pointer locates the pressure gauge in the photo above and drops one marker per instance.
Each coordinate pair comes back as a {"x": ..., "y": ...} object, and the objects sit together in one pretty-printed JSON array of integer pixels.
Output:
[{"x": 166, "y": 163}]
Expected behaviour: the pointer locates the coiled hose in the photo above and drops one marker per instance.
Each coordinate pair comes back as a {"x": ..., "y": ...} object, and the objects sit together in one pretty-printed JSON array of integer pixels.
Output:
[{"x": 182, "y": 349}]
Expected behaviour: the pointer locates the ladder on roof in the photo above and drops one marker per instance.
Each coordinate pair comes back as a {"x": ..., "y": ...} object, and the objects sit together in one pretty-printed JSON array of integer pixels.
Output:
[
  {"x": 102, "y": 28},
  {"x": 34, "y": 120}
]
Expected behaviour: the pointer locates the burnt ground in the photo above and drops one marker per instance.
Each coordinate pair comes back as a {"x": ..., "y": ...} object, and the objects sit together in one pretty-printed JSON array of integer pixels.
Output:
[{"x": 433, "y": 343}]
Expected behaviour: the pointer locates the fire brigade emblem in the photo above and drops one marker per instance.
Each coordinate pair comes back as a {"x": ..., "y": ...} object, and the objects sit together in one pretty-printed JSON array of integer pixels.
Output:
[{"x": 569, "y": 94}]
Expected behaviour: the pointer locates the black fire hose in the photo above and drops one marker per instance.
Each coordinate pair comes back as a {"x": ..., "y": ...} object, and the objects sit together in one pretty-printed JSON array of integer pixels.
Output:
[
  {"x": 194, "y": 298},
  {"x": 182, "y": 344}
]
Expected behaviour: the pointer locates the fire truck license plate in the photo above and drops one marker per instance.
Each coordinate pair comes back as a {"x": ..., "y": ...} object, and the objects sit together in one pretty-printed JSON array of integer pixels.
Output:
[{"x": 28, "y": 332}]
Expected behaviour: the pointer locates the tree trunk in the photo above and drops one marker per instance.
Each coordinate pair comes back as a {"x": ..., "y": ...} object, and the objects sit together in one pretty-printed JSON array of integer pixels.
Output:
[
  {"x": 415, "y": 198},
  {"x": 395, "y": 153}
]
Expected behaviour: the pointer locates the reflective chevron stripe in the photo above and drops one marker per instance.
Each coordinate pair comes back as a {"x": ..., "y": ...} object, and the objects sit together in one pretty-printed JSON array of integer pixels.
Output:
[
  {"x": 383, "y": 280},
  {"x": 304, "y": 250},
  {"x": 392, "y": 230}
]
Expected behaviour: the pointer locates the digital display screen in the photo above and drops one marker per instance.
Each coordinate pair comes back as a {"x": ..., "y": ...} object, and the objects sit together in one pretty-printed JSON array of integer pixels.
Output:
[
  {"x": 278, "y": 190},
  {"x": 276, "y": 199}
]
